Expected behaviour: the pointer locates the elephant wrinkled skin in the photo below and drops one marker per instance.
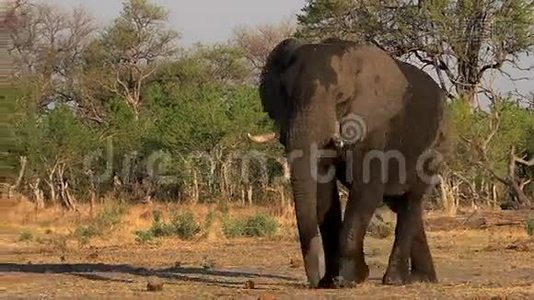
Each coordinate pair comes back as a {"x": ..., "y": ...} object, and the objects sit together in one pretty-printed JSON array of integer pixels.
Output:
[{"x": 313, "y": 92}]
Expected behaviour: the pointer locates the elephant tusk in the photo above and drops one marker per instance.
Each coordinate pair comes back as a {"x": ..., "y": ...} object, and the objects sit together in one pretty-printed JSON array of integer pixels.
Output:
[{"x": 262, "y": 138}]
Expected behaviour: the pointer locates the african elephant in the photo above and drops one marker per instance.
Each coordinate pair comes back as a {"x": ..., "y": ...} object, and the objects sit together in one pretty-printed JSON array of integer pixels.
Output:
[{"x": 352, "y": 113}]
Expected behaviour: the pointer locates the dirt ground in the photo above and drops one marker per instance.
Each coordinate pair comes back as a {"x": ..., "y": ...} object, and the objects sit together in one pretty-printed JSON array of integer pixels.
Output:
[{"x": 477, "y": 256}]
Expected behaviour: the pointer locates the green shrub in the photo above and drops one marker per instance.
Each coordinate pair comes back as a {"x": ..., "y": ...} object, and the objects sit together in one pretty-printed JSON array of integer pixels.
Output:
[
  {"x": 110, "y": 216},
  {"x": 25, "y": 236},
  {"x": 210, "y": 217},
  {"x": 182, "y": 225},
  {"x": 160, "y": 229},
  {"x": 185, "y": 226},
  {"x": 85, "y": 233},
  {"x": 233, "y": 227},
  {"x": 260, "y": 225},
  {"x": 144, "y": 236},
  {"x": 104, "y": 221},
  {"x": 530, "y": 227}
]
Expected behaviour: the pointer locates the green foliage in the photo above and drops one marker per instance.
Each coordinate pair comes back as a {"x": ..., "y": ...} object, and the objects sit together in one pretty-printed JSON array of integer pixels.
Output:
[
  {"x": 85, "y": 233},
  {"x": 509, "y": 125},
  {"x": 210, "y": 217},
  {"x": 144, "y": 236},
  {"x": 185, "y": 226},
  {"x": 140, "y": 26},
  {"x": 55, "y": 143},
  {"x": 515, "y": 124},
  {"x": 9, "y": 148},
  {"x": 25, "y": 236},
  {"x": 208, "y": 117},
  {"x": 182, "y": 225},
  {"x": 530, "y": 227},
  {"x": 233, "y": 228},
  {"x": 110, "y": 215},
  {"x": 194, "y": 109},
  {"x": 259, "y": 225},
  {"x": 102, "y": 223}
]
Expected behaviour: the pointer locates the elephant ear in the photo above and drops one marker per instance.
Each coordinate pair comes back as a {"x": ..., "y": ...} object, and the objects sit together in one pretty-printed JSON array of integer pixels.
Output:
[{"x": 272, "y": 92}]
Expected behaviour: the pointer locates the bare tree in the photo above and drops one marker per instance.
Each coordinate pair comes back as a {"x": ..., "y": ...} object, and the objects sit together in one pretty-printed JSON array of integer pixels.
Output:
[
  {"x": 260, "y": 40},
  {"x": 47, "y": 45}
]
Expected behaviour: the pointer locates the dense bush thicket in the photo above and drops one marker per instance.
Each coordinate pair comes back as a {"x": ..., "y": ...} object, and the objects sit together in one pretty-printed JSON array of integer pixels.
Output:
[{"x": 122, "y": 112}]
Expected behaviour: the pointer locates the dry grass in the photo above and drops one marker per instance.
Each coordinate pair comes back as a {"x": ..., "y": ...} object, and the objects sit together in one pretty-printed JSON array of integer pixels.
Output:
[
  {"x": 474, "y": 259},
  {"x": 21, "y": 216}
]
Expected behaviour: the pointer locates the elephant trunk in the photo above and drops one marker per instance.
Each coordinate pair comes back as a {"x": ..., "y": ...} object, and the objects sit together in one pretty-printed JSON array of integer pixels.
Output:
[
  {"x": 305, "y": 197},
  {"x": 303, "y": 162}
]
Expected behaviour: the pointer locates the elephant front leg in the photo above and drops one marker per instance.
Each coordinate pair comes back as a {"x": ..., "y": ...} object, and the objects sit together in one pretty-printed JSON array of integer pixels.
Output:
[{"x": 329, "y": 215}]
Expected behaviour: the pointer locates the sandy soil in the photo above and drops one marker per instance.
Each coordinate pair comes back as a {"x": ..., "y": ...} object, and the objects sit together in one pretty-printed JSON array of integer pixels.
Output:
[{"x": 487, "y": 256}]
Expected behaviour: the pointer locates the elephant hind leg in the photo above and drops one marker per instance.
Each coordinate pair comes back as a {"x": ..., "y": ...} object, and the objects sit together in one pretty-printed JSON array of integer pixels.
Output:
[
  {"x": 422, "y": 265},
  {"x": 410, "y": 246},
  {"x": 421, "y": 258},
  {"x": 398, "y": 269}
]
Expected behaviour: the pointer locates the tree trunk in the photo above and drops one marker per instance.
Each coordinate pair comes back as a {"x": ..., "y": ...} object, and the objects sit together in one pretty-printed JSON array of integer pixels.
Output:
[
  {"x": 468, "y": 80},
  {"x": 92, "y": 200},
  {"x": 468, "y": 94},
  {"x": 468, "y": 53},
  {"x": 196, "y": 192},
  {"x": 66, "y": 198},
  {"x": 249, "y": 195},
  {"x": 38, "y": 198},
  {"x": 519, "y": 194},
  {"x": 52, "y": 190},
  {"x": 51, "y": 183},
  {"x": 23, "y": 161}
]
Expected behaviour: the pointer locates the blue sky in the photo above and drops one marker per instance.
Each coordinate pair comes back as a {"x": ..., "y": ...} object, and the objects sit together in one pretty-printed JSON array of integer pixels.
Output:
[{"x": 213, "y": 21}]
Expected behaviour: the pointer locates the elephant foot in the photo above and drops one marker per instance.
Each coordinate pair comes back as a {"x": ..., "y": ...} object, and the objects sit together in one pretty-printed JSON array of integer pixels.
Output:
[
  {"x": 327, "y": 282},
  {"x": 423, "y": 277},
  {"x": 352, "y": 271},
  {"x": 336, "y": 283},
  {"x": 394, "y": 276},
  {"x": 341, "y": 283}
]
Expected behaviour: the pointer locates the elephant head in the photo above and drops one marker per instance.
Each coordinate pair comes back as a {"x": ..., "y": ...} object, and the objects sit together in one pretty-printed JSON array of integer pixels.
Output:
[{"x": 273, "y": 93}]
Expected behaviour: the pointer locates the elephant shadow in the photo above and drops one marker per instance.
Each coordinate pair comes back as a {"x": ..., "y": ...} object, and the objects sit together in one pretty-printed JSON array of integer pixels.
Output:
[{"x": 231, "y": 278}]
